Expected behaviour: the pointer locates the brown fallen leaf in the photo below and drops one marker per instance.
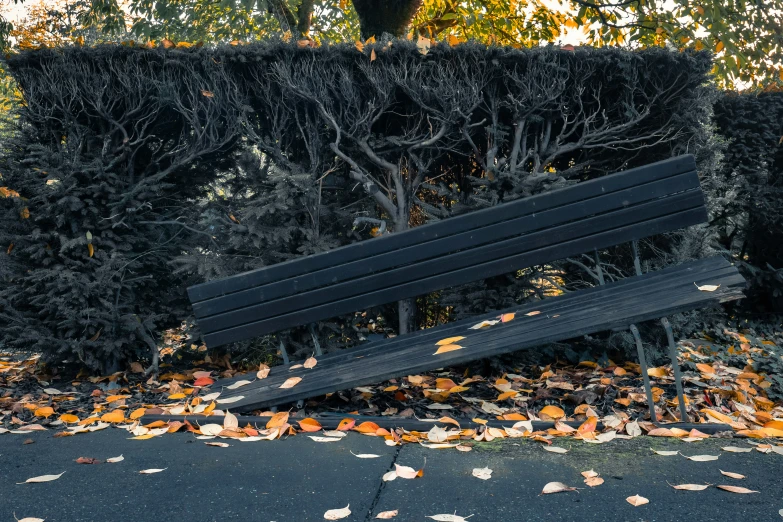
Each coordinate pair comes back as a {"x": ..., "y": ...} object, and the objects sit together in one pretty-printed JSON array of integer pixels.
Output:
[
  {"x": 263, "y": 371},
  {"x": 556, "y": 487},
  {"x": 732, "y": 475},
  {"x": 87, "y": 460},
  {"x": 28, "y": 441},
  {"x": 737, "y": 489},
  {"x": 310, "y": 363},
  {"x": 637, "y": 500},
  {"x": 385, "y": 515},
  {"x": 690, "y": 487},
  {"x": 337, "y": 514},
  {"x": 42, "y": 478},
  {"x": 291, "y": 382}
]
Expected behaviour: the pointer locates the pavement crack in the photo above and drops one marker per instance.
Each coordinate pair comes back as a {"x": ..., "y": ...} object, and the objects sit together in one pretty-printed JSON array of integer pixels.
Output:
[{"x": 381, "y": 486}]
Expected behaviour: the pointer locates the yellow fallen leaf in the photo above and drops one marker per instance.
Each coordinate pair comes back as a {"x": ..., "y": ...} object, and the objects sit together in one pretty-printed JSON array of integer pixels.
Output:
[
  {"x": 113, "y": 417},
  {"x": 291, "y": 382},
  {"x": 449, "y": 340},
  {"x": 175, "y": 396},
  {"x": 657, "y": 372},
  {"x": 448, "y": 348},
  {"x": 69, "y": 418},
  {"x": 637, "y": 500},
  {"x": 46, "y": 412}
]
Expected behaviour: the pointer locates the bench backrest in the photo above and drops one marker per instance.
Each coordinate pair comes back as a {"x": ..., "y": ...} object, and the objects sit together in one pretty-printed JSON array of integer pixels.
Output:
[{"x": 595, "y": 214}]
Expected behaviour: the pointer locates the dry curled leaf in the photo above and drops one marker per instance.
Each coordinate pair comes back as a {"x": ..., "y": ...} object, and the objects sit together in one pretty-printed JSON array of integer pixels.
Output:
[
  {"x": 701, "y": 458},
  {"x": 690, "y": 487},
  {"x": 385, "y": 515},
  {"x": 556, "y": 487},
  {"x": 291, "y": 382},
  {"x": 337, "y": 514},
  {"x": 637, "y": 500},
  {"x": 732, "y": 475},
  {"x": 42, "y": 478},
  {"x": 737, "y": 489},
  {"x": 482, "y": 473}
]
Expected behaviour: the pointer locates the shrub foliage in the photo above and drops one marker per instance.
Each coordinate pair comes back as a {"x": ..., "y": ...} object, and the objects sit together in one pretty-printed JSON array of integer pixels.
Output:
[{"x": 135, "y": 172}]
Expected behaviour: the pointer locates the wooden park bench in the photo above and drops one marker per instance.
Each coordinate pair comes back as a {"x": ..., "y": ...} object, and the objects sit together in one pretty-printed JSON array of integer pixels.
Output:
[{"x": 584, "y": 218}]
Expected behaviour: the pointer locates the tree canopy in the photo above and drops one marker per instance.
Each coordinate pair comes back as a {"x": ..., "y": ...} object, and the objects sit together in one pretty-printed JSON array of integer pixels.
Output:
[{"x": 746, "y": 36}]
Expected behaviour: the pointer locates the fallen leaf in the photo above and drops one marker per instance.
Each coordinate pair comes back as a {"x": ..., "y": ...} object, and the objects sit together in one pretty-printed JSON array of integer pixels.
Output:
[
  {"x": 324, "y": 439},
  {"x": 637, "y": 500},
  {"x": 707, "y": 288},
  {"x": 230, "y": 400},
  {"x": 45, "y": 412},
  {"x": 218, "y": 444},
  {"x": 555, "y": 449},
  {"x": 553, "y": 412},
  {"x": 732, "y": 475},
  {"x": 534, "y": 312},
  {"x": 556, "y": 487},
  {"x": 633, "y": 429},
  {"x": 335, "y": 433},
  {"x": 385, "y": 515},
  {"x": 439, "y": 406},
  {"x": 483, "y": 324},
  {"x": 52, "y": 391},
  {"x": 407, "y": 472},
  {"x": 690, "y": 487},
  {"x": 482, "y": 473},
  {"x": 701, "y": 458},
  {"x": 114, "y": 460},
  {"x": 589, "y": 474},
  {"x": 657, "y": 372},
  {"x": 389, "y": 476},
  {"x": 151, "y": 471},
  {"x": 29, "y": 519},
  {"x": 664, "y": 452},
  {"x": 737, "y": 489},
  {"x": 365, "y": 455},
  {"x": 87, "y": 460},
  {"x": 449, "y": 518},
  {"x": 337, "y": 514},
  {"x": 42, "y": 478},
  {"x": 310, "y": 363},
  {"x": 447, "y": 348},
  {"x": 263, "y": 371},
  {"x": 346, "y": 424},
  {"x": 506, "y": 318},
  {"x": 230, "y": 421},
  {"x": 291, "y": 382},
  {"x": 594, "y": 481},
  {"x": 309, "y": 425},
  {"x": 449, "y": 340},
  {"x": 68, "y": 418},
  {"x": 735, "y": 449},
  {"x": 137, "y": 413},
  {"x": 238, "y": 384}
]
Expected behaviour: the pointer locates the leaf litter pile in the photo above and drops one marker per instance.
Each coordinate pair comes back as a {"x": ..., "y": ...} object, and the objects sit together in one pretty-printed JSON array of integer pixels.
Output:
[{"x": 586, "y": 402}]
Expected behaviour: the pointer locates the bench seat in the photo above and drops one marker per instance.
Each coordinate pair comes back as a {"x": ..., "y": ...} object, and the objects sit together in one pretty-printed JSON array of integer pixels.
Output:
[{"x": 614, "y": 305}]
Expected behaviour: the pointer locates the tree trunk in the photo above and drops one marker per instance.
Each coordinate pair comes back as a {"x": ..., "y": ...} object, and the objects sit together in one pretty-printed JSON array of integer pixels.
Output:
[{"x": 385, "y": 16}]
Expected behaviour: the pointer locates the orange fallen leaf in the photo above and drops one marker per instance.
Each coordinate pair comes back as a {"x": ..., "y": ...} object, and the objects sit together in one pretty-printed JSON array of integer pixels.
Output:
[
  {"x": 507, "y": 317},
  {"x": 277, "y": 420},
  {"x": 553, "y": 412},
  {"x": 657, "y": 372},
  {"x": 449, "y": 340},
  {"x": 310, "y": 425},
  {"x": 368, "y": 428},
  {"x": 588, "y": 426},
  {"x": 137, "y": 413},
  {"x": 346, "y": 424},
  {"x": 155, "y": 424},
  {"x": 203, "y": 381},
  {"x": 507, "y": 395},
  {"x": 175, "y": 396},
  {"x": 46, "y": 411},
  {"x": 68, "y": 418}
]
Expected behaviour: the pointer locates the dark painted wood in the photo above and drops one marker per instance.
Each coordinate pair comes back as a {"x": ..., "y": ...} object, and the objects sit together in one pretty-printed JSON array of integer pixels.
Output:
[
  {"x": 272, "y": 293},
  {"x": 617, "y": 307},
  {"x": 590, "y": 189}
]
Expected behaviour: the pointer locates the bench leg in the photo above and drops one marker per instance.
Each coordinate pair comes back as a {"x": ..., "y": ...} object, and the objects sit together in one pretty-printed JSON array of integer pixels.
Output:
[
  {"x": 675, "y": 369},
  {"x": 284, "y": 353},
  {"x": 318, "y": 351},
  {"x": 643, "y": 364}
]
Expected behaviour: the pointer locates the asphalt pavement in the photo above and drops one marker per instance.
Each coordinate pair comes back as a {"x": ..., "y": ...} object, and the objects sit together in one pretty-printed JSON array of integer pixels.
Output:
[{"x": 298, "y": 480}]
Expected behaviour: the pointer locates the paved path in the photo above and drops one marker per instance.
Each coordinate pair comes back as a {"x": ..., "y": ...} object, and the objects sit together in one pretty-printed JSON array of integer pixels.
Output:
[{"x": 297, "y": 480}]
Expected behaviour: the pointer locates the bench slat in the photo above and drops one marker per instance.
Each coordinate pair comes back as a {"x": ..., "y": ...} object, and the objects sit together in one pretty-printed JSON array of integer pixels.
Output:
[
  {"x": 436, "y": 249},
  {"x": 582, "y": 236},
  {"x": 632, "y": 300},
  {"x": 454, "y": 225}
]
